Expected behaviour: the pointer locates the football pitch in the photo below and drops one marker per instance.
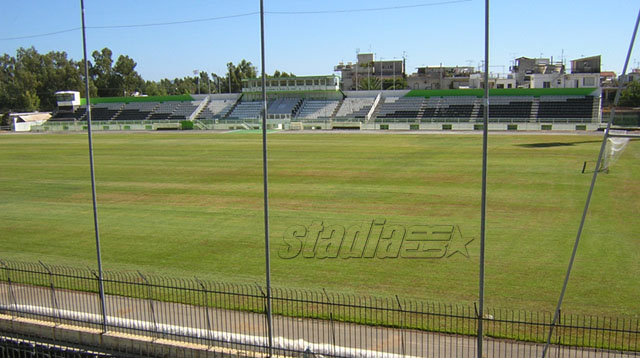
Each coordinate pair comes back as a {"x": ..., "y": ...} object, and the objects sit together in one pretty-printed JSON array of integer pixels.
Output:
[{"x": 191, "y": 204}]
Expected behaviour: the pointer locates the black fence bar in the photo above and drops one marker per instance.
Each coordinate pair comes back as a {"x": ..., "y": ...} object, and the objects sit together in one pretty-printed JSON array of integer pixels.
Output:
[{"x": 330, "y": 324}]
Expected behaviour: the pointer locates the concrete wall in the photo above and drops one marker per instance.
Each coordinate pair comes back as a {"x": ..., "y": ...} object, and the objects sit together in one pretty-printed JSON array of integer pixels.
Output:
[
  {"x": 478, "y": 126},
  {"x": 111, "y": 341}
]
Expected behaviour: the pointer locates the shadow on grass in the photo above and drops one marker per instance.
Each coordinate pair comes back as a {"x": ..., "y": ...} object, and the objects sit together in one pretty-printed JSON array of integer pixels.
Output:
[{"x": 555, "y": 144}]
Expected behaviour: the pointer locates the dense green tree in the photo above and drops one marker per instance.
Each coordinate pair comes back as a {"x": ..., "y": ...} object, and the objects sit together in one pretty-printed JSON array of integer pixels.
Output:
[
  {"x": 152, "y": 88},
  {"x": 389, "y": 84},
  {"x": 235, "y": 75},
  {"x": 101, "y": 72},
  {"x": 7, "y": 82},
  {"x": 126, "y": 78},
  {"x": 370, "y": 83},
  {"x": 282, "y": 74},
  {"x": 630, "y": 97},
  {"x": 29, "y": 80}
]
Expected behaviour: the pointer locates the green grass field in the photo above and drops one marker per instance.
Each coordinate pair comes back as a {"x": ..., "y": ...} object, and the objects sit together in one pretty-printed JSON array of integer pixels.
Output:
[{"x": 190, "y": 204}]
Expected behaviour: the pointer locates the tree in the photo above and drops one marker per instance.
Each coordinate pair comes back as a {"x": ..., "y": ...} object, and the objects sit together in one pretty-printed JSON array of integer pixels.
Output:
[
  {"x": 7, "y": 82},
  {"x": 371, "y": 83},
  {"x": 61, "y": 74},
  {"x": 630, "y": 97},
  {"x": 282, "y": 74},
  {"x": 235, "y": 75},
  {"x": 125, "y": 77},
  {"x": 101, "y": 71},
  {"x": 29, "y": 81},
  {"x": 389, "y": 84},
  {"x": 152, "y": 88},
  {"x": 29, "y": 101}
]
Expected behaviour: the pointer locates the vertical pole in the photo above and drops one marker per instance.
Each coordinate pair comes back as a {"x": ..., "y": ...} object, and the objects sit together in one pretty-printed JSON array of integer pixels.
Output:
[
  {"x": 483, "y": 204},
  {"x": 93, "y": 177},
  {"x": 381, "y": 69},
  {"x": 556, "y": 315},
  {"x": 266, "y": 184},
  {"x": 394, "y": 73}
]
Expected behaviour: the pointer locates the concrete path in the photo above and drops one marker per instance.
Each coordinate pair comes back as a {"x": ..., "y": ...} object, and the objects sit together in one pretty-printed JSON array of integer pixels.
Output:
[{"x": 228, "y": 328}]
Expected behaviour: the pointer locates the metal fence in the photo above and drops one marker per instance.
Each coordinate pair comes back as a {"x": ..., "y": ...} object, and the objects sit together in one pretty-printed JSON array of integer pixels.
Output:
[{"x": 310, "y": 322}]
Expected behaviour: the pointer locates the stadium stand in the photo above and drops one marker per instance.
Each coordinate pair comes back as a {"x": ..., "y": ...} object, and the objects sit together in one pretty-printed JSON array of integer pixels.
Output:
[
  {"x": 76, "y": 115},
  {"x": 105, "y": 111},
  {"x": 246, "y": 110},
  {"x": 511, "y": 109},
  {"x": 571, "y": 108},
  {"x": 28, "y": 349},
  {"x": 184, "y": 110},
  {"x": 136, "y": 111},
  {"x": 403, "y": 107},
  {"x": 314, "y": 109},
  {"x": 354, "y": 108},
  {"x": 163, "y": 111},
  {"x": 524, "y": 105},
  {"x": 442, "y": 108},
  {"x": 217, "y": 109},
  {"x": 284, "y": 107}
]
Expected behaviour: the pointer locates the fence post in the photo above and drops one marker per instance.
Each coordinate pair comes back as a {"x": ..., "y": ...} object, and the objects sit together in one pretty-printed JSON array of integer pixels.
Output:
[
  {"x": 267, "y": 322},
  {"x": 12, "y": 295},
  {"x": 101, "y": 297},
  {"x": 151, "y": 308},
  {"x": 206, "y": 305},
  {"x": 54, "y": 301},
  {"x": 331, "y": 322},
  {"x": 402, "y": 330}
]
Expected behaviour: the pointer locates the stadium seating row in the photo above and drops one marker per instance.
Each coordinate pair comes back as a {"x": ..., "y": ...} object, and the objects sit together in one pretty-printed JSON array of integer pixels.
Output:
[{"x": 515, "y": 108}]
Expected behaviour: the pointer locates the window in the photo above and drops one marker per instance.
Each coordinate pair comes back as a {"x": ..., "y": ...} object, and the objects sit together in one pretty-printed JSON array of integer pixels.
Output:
[
  {"x": 546, "y": 84},
  {"x": 500, "y": 85},
  {"x": 588, "y": 82},
  {"x": 509, "y": 85}
]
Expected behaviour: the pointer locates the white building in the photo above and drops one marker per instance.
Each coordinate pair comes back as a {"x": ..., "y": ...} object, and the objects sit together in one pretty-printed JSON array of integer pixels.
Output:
[
  {"x": 571, "y": 80},
  {"x": 22, "y": 122}
]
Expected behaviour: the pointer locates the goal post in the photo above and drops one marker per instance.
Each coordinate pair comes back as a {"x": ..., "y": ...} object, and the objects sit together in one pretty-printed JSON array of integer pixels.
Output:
[
  {"x": 617, "y": 142},
  {"x": 613, "y": 150}
]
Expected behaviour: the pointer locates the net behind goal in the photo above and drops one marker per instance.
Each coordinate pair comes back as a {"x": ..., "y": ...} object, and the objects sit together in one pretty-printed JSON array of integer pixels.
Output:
[{"x": 613, "y": 150}]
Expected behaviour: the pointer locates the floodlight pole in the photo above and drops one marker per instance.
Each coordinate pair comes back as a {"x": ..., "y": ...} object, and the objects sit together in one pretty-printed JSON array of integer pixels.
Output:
[
  {"x": 483, "y": 203},
  {"x": 93, "y": 177},
  {"x": 556, "y": 315},
  {"x": 265, "y": 177}
]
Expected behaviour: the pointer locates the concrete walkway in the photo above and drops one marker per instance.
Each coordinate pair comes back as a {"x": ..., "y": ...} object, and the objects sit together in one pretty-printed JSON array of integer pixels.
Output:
[{"x": 242, "y": 330}]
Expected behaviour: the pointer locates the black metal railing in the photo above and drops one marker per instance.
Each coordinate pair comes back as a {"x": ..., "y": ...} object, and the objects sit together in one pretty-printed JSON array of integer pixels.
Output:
[{"x": 331, "y": 324}]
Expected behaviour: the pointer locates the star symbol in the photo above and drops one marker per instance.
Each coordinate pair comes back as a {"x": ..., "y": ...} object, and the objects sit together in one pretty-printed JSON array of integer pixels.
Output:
[{"x": 458, "y": 243}]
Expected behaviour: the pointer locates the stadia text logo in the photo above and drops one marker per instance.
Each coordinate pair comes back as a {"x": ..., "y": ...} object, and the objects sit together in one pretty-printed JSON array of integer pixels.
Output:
[{"x": 373, "y": 239}]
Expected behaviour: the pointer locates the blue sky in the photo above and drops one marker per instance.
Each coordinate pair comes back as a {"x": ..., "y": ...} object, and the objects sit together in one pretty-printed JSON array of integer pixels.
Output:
[{"x": 428, "y": 32}]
